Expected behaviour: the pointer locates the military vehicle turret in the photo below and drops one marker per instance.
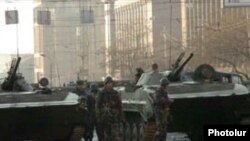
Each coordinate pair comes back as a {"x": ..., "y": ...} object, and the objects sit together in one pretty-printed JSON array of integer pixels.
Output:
[
  {"x": 43, "y": 114},
  {"x": 203, "y": 96}
]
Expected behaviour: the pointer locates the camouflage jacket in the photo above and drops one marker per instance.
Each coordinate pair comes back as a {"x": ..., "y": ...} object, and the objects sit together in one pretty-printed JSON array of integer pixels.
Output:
[
  {"x": 161, "y": 99},
  {"x": 109, "y": 107},
  {"x": 88, "y": 102}
]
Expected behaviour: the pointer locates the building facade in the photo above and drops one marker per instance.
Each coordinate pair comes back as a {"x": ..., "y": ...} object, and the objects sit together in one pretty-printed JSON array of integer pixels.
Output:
[
  {"x": 217, "y": 33},
  {"x": 147, "y": 31},
  {"x": 69, "y": 40},
  {"x": 157, "y": 31},
  {"x": 89, "y": 39}
]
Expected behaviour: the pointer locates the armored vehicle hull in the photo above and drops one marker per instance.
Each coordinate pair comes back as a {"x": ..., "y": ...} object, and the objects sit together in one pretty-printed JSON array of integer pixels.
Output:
[
  {"x": 39, "y": 115},
  {"x": 195, "y": 105},
  {"x": 191, "y": 114},
  {"x": 32, "y": 116},
  {"x": 201, "y": 97}
]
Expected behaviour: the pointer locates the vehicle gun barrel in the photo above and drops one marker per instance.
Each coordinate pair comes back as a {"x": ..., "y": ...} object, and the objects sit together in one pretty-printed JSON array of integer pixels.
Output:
[
  {"x": 174, "y": 75},
  {"x": 9, "y": 80},
  {"x": 177, "y": 62}
]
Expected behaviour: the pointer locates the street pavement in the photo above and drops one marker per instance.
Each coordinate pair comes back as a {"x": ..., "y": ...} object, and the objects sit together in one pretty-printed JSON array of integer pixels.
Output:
[
  {"x": 174, "y": 136},
  {"x": 95, "y": 137}
]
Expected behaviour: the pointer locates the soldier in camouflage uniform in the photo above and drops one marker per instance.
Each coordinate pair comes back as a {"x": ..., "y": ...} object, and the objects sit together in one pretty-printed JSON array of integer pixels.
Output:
[
  {"x": 161, "y": 109},
  {"x": 81, "y": 90},
  {"x": 109, "y": 111},
  {"x": 92, "y": 112}
]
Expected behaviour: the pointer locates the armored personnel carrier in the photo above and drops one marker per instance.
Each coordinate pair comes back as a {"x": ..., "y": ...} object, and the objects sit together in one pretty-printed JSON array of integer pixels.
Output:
[
  {"x": 43, "y": 114},
  {"x": 203, "y": 96}
]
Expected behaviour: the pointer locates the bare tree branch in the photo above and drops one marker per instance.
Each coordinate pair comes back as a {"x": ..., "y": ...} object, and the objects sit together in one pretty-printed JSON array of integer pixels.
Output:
[{"x": 234, "y": 66}]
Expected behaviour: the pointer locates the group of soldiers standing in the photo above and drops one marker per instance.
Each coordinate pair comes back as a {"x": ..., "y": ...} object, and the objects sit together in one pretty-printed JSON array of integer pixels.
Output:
[{"x": 105, "y": 109}]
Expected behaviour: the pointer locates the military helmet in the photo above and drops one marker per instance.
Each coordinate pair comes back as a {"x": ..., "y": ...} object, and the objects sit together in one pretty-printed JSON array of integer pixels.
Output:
[
  {"x": 108, "y": 79},
  {"x": 164, "y": 82}
]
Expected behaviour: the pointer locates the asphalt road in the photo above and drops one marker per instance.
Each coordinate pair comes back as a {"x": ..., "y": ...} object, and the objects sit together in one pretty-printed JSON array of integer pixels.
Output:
[
  {"x": 174, "y": 136},
  {"x": 95, "y": 137}
]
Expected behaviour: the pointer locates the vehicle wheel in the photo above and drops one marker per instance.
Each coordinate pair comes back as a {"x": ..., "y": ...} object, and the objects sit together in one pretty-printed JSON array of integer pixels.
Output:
[
  {"x": 123, "y": 131},
  {"x": 140, "y": 131},
  {"x": 127, "y": 132},
  {"x": 134, "y": 133}
]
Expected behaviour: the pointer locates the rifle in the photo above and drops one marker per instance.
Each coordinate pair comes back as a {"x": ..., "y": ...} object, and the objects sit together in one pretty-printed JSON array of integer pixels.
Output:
[{"x": 10, "y": 79}]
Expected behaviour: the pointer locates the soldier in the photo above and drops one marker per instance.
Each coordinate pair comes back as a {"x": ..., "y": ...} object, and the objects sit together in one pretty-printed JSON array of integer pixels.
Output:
[
  {"x": 161, "y": 109},
  {"x": 81, "y": 90},
  {"x": 92, "y": 113},
  {"x": 139, "y": 72},
  {"x": 155, "y": 75},
  {"x": 109, "y": 111},
  {"x": 154, "y": 67}
]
